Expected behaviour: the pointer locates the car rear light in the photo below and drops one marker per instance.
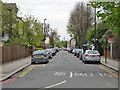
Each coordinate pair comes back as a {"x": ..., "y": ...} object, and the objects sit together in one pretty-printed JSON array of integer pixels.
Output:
[
  {"x": 32, "y": 56},
  {"x": 45, "y": 55},
  {"x": 48, "y": 53},
  {"x": 98, "y": 55},
  {"x": 87, "y": 55}
]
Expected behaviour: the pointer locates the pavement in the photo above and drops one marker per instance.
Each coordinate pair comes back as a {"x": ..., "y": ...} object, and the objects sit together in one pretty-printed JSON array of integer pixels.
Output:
[
  {"x": 10, "y": 68},
  {"x": 110, "y": 63}
]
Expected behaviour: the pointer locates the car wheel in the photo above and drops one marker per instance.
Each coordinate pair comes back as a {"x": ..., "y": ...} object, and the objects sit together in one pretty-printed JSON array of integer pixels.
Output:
[
  {"x": 32, "y": 62},
  {"x": 98, "y": 62},
  {"x": 46, "y": 62},
  {"x": 85, "y": 62},
  {"x": 50, "y": 57}
]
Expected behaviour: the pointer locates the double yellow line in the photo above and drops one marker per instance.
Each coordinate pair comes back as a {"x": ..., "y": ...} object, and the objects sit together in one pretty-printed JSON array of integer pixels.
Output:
[
  {"x": 25, "y": 72},
  {"x": 113, "y": 74}
]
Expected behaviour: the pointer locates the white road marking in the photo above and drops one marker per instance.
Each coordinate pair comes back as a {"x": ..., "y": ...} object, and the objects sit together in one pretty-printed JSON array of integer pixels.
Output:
[
  {"x": 76, "y": 74},
  {"x": 71, "y": 74},
  {"x": 101, "y": 74},
  {"x": 85, "y": 74},
  {"x": 59, "y": 73},
  {"x": 92, "y": 74},
  {"x": 107, "y": 75},
  {"x": 56, "y": 84}
]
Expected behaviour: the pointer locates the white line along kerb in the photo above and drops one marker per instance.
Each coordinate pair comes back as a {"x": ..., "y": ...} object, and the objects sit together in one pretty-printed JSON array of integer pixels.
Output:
[{"x": 56, "y": 84}]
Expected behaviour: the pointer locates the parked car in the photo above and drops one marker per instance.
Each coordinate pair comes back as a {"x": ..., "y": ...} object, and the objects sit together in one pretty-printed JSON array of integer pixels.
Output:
[
  {"x": 49, "y": 53},
  {"x": 56, "y": 49},
  {"x": 74, "y": 50},
  {"x": 71, "y": 49},
  {"x": 53, "y": 52},
  {"x": 92, "y": 56},
  {"x": 68, "y": 49},
  {"x": 81, "y": 55},
  {"x": 77, "y": 52},
  {"x": 39, "y": 56}
]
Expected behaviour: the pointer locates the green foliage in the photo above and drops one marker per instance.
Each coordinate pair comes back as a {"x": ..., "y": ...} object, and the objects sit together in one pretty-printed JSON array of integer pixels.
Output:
[
  {"x": 110, "y": 15},
  {"x": 59, "y": 44},
  {"x": 100, "y": 31},
  {"x": 64, "y": 43},
  {"x": 39, "y": 48},
  {"x": 21, "y": 31},
  {"x": 54, "y": 38},
  {"x": 79, "y": 22},
  {"x": 32, "y": 30}
]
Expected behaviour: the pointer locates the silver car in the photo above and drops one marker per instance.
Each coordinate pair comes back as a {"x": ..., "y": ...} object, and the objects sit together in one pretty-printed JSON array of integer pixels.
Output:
[
  {"x": 49, "y": 53},
  {"x": 39, "y": 56},
  {"x": 91, "y": 55},
  {"x": 73, "y": 51},
  {"x": 77, "y": 53}
]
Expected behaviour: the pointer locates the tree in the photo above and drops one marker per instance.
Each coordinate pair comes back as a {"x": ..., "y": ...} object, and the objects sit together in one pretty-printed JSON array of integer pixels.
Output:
[
  {"x": 100, "y": 31},
  {"x": 80, "y": 20},
  {"x": 28, "y": 31},
  {"x": 64, "y": 43},
  {"x": 110, "y": 14},
  {"x": 54, "y": 38},
  {"x": 9, "y": 19}
]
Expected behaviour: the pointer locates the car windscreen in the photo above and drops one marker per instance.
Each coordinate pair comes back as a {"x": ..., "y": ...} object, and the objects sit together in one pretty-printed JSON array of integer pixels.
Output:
[{"x": 93, "y": 52}]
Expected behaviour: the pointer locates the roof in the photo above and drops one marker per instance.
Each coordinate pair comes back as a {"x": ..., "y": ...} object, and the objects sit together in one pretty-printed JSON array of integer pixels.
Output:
[{"x": 11, "y": 5}]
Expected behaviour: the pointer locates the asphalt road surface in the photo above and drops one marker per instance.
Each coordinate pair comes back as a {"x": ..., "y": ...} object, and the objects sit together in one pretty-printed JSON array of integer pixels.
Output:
[{"x": 63, "y": 71}]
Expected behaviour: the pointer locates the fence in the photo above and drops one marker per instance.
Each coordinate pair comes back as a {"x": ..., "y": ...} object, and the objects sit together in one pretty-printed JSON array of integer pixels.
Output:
[
  {"x": 11, "y": 53},
  {"x": 116, "y": 52}
]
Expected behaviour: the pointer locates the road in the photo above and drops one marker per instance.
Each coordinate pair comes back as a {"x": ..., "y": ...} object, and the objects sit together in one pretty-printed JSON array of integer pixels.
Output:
[{"x": 63, "y": 71}]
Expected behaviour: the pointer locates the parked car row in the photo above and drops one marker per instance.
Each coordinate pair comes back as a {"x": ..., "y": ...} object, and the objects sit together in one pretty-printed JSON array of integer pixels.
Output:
[
  {"x": 43, "y": 56},
  {"x": 85, "y": 56}
]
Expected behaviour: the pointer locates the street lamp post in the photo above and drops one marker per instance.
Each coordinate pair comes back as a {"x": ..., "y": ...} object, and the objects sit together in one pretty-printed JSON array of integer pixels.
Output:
[
  {"x": 95, "y": 27},
  {"x": 52, "y": 32},
  {"x": 44, "y": 32}
]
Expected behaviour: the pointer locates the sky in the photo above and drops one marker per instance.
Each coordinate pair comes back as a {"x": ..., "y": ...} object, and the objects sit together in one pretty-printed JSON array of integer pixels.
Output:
[{"x": 57, "y": 12}]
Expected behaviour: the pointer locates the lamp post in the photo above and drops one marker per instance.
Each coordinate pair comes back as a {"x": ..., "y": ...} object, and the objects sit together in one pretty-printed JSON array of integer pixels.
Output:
[
  {"x": 52, "y": 32},
  {"x": 95, "y": 27},
  {"x": 44, "y": 32}
]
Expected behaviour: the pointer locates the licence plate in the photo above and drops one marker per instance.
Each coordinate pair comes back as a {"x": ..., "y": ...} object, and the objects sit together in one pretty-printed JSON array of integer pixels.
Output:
[
  {"x": 38, "y": 56},
  {"x": 92, "y": 56}
]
